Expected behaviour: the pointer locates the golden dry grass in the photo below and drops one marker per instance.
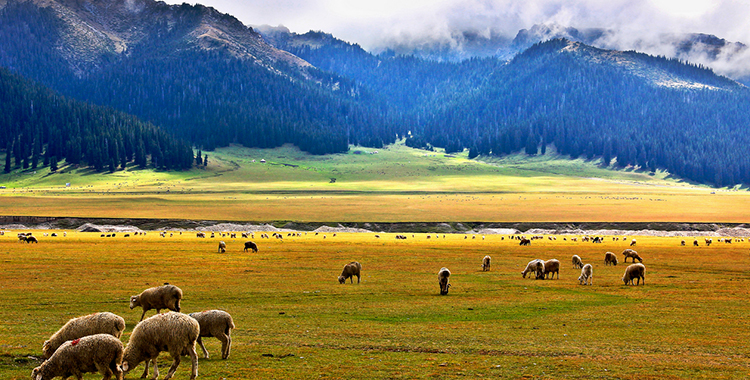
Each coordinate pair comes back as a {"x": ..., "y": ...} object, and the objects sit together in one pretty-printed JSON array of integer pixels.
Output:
[{"x": 687, "y": 322}]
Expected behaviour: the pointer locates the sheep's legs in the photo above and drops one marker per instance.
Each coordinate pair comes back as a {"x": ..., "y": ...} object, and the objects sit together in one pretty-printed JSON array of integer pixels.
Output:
[
  {"x": 226, "y": 345},
  {"x": 200, "y": 343}
]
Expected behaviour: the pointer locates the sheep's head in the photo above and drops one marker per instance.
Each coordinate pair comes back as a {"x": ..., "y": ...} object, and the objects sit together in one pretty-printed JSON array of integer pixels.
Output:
[
  {"x": 342, "y": 279},
  {"x": 47, "y": 350},
  {"x": 639, "y": 259},
  {"x": 444, "y": 288},
  {"x": 135, "y": 301},
  {"x": 36, "y": 373},
  {"x": 625, "y": 279}
]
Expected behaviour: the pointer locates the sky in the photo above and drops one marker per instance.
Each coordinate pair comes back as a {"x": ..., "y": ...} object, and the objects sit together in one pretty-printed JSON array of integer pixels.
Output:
[{"x": 376, "y": 25}]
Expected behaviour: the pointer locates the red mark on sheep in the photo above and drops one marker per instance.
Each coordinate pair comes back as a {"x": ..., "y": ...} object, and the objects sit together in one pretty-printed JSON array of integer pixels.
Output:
[{"x": 73, "y": 343}]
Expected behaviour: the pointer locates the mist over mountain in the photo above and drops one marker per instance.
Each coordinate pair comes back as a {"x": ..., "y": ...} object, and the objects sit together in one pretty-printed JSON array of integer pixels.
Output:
[{"x": 204, "y": 76}]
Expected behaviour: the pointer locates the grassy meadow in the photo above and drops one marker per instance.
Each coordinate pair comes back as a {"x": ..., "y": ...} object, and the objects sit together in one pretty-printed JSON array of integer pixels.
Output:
[
  {"x": 294, "y": 320},
  {"x": 393, "y": 184}
]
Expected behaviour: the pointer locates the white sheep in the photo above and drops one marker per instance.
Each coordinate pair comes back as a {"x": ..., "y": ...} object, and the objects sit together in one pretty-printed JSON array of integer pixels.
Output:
[
  {"x": 97, "y": 323},
  {"x": 535, "y": 266},
  {"x": 632, "y": 242},
  {"x": 632, "y": 254},
  {"x": 217, "y": 324},
  {"x": 222, "y": 247},
  {"x": 173, "y": 332},
  {"x": 577, "y": 262},
  {"x": 634, "y": 271},
  {"x": 160, "y": 297},
  {"x": 587, "y": 275},
  {"x": 101, "y": 353},
  {"x": 486, "y": 263},
  {"x": 443, "y": 280}
]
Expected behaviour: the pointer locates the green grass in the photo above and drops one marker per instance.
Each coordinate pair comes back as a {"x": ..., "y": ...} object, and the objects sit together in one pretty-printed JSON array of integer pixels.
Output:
[
  {"x": 684, "y": 323},
  {"x": 398, "y": 184}
]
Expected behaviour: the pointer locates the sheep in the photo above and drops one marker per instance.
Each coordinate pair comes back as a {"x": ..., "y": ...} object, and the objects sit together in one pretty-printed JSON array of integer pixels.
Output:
[
  {"x": 610, "y": 258},
  {"x": 215, "y": 324},
  {"x": 173, "y": 332},
  {"x": 222, "y": 247},
  {"x": 587, "y": 275},
  {"x": 525, "y": 241},
  {"x": 101, "y": 353},
  {"x": 632, "y": 242},
  {"x": 551, "y": 267},
  {"x": 443, "y": 278},
  {"x": 251, "y": 245},
  {"x": 695, "y": 243},
  {"x": 536, "y": 266},
  {"x": 682, "y": 243},
  {"x": 97, "y": 323},
  {"x": 634, "y": 271},
  {"x": 350, "y": 270},
  {"x": 161, "y": 297},
  {"x": 577, "y": 263},
  {"x": 632, "y": 254},
  {"x": 200, "y": 235},
  {"x": 486, "y": 263}
]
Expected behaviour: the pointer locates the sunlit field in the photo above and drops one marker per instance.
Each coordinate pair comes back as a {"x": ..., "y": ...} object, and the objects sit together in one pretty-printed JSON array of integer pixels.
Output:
[
  {"x": 393, "y": 184},
  {"x": 294, "y": 320}
]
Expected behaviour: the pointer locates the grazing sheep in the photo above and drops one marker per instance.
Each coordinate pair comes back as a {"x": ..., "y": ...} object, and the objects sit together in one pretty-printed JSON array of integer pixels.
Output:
[
  {"x": 610, "y": 258},
  {"x": 173, "y": 332},
  {"x": 160, "y": 297},
  {"x": 222, "y": 247},
  {"x": 443, "y": 278},
  {"x": 587, "y": 275},
  {"x": 350, "y": 270},
  {"x": 486, "y": 263},
  {"x": 525, "y": 241},
  {"x": 682, "y": 243},
  {"x": 632, "y": 242},
  {"x": 215, "y": 324},
  {"x": 97, "y": 323},
  {"x": 101, "y": 353},
  {"x": 551, "y": 267},
  {"x": 695, "y": 243},
  {"x": 31, "y": 239},
  {"x": 634, "y": 271},
  {"x": 251, "y": 245},
  {"x": 577, "y": 263},
  {"x": 536, "y": 266},
  {"x": 632, "y": 254},
  {"x": 200, "y": 234}
]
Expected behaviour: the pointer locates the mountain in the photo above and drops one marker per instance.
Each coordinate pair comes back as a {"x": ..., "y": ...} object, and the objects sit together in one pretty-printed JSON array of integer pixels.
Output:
[
  {"x": 39, "y": 128},
  {"x": 190, "y": 69},
  {"x": 205, "y": 77}
]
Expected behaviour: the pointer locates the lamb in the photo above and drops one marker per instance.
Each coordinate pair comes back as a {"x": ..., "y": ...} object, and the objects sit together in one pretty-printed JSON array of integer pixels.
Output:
[
  {"x": 217, "y": 324},
  {"x": 536, "y": 266},
  {"x": 610, "y": 258},
  {"x": 587, "y": 275},
  {"x": 173, "y": 332},
  {"x": 251, "y": 245},
  {"x": 486, "y": 263},
  {"x": 634, "y": 271},
  {"x": 443, "y": 278},
  {"x": 101, "y": 353},
  {"x": 97, "y": 323},
  {"x": 350, "y": 270},
  {"x": 577, "y": 263},
  {"x": 632, "y": 254},
  {"x": 161, "y": 297},
  {"x": 551, "y": 267},
  {"x": 222, "y": 247}
]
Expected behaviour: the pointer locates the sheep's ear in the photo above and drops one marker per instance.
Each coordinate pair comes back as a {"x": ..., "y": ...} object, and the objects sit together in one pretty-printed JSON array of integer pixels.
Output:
[
  {"x": 45, "y": 345},
  {"x": 38, "y": 376}
]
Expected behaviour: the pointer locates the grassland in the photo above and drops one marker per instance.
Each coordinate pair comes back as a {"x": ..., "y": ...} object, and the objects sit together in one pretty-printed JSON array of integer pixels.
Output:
[
  {"x": 295, "y": 321},
  {"x": 396, "y": 184}
]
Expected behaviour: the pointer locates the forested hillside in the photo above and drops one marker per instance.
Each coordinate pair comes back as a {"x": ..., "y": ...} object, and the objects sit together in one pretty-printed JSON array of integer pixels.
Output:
[
  {"x": 39, "y": 128},
  {"x": 203, "y": 76}
]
